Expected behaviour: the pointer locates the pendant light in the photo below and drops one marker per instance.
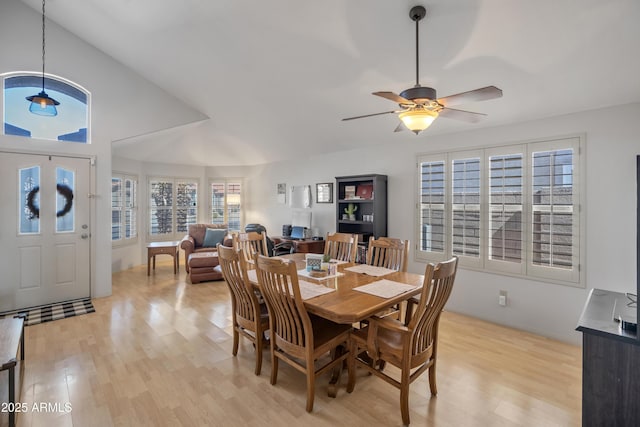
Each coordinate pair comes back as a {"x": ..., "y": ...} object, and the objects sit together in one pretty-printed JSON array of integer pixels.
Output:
[{"x": 42, "y": 104}]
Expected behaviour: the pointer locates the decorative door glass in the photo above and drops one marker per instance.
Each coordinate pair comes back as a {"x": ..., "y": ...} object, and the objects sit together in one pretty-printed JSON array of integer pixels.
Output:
[
  {"x": 65, "y": 210},
  {"x": 29, "y": 194}
]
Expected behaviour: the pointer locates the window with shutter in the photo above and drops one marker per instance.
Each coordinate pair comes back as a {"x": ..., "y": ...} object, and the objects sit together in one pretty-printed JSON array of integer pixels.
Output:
[
  {"x": 511, "y": 209},
  {"x": 226, "y": 203},
  {"x": 124, "y": 208},
  {"x": 432, "y": 202},
  {"x": 465, "y": 207},
  {"x": 173, "y": 206}
]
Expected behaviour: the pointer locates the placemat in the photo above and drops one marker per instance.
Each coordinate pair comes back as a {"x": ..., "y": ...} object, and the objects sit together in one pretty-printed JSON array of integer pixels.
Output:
[{"x": 385, "y": 288}]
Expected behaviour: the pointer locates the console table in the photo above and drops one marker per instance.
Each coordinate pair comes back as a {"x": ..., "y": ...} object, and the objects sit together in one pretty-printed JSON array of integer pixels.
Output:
[
  {"x": 302, "y": 246},
  {"x": 163, "y": 248},
  {"x": 11, "y": 338}
]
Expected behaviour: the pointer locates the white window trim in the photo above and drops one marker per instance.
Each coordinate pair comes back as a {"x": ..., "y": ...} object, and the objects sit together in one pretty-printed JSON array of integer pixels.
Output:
[
  {"x": 136, "y": 209},
  {"x": 175, "y": 234},
  {"x": 68, "y": 82},
  {"x": 227, "y": 181},
  {"x": 576, "y": 277}
]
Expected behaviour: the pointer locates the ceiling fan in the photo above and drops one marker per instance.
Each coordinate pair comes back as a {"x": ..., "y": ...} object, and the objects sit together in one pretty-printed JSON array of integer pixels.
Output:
[{"x": 419, "y": 106}]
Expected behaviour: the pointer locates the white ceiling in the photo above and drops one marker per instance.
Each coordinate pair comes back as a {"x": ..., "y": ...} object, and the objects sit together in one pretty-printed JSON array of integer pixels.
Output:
[{"x": 275, "y": 77}]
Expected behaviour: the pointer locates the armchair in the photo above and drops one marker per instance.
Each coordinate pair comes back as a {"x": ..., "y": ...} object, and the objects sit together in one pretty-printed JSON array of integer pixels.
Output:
[{"x": 194, "y": 240}]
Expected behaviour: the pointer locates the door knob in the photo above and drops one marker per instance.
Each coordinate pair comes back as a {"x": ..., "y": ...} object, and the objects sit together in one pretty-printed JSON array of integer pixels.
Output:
[{"x": 84, "y": 236}]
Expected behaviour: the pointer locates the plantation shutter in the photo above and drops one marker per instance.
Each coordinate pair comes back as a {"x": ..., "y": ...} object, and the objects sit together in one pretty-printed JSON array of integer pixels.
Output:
[{"x": 432, "y": 204}]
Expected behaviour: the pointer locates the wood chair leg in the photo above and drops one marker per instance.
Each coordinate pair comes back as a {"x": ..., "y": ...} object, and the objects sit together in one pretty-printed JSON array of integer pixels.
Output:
[
  {"x": 432, "y": 379},
  {"x": 236, "y": 339},
  {"x": 274, "y": 367},
  {"x": 258, "y": 353},
  {"x": 404, "y": 396},
  {"x": 311, "y": 376}
]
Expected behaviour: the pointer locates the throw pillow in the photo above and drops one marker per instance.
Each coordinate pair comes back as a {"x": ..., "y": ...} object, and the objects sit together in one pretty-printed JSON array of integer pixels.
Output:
[{"x": 213, "y": 236}]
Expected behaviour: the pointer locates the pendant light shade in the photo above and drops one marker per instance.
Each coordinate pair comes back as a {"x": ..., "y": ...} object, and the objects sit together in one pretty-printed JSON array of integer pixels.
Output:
[
  {"x": 42, "y": 104},
  {"x": 418, "y": 119}
]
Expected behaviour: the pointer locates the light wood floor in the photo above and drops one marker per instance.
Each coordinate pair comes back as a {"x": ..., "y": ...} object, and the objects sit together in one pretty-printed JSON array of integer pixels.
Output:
[{"x": 158, "y": 353}]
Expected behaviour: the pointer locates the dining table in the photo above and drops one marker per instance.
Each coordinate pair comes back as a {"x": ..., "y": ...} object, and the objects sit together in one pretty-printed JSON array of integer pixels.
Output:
[
  {"x": 346, "y": 302},
  {"x": 342, "y": 298}
]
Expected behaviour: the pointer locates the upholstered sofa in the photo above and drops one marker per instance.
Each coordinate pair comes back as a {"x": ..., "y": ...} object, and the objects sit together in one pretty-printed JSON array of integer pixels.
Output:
[{"x": 201, "y": 260}]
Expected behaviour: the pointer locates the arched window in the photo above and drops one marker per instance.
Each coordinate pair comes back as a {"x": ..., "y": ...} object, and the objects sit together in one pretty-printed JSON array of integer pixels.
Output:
[{"x": 72, "y": 122}]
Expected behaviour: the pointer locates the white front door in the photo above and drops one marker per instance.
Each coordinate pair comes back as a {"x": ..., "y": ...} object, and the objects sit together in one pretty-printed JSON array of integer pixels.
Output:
[{"x": 44, "y": 229}]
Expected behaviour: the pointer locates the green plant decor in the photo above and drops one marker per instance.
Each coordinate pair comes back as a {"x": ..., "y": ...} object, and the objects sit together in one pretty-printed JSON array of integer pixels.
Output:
[{"x": 351, "y": 209}]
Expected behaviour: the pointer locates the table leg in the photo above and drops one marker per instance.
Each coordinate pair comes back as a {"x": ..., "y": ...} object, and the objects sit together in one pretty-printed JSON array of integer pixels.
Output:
[
  {"x": 336, "y": 373},
  {"x": 175, "y": 262},
  {"x": 12, "y": 396},
  {"x": 148, "y": 264},
  {"x": 154, "y": 262},
  {"x": 22, "y": 342}
]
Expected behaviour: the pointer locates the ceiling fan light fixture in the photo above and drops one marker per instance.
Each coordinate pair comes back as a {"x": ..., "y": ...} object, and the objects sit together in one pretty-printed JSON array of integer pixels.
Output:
[{"x": 417, "y": 120}]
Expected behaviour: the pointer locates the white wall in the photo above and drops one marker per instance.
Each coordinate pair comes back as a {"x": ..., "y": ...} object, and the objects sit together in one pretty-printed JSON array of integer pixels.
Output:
[
  {"x": 612, "y": 143},
  {"x": 123, "y": 105},
  {"x": 547, "y": 309}
]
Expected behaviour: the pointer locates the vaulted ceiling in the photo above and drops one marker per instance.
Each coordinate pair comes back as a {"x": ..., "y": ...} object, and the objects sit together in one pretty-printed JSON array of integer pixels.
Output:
[{"x": 276, "y": 77}]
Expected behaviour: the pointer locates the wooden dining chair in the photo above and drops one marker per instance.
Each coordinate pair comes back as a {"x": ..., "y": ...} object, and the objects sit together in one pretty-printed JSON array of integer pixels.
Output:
[
  {"x": 250, "y": 318},
  {"x": 297, "y": 337},
  {"x": 388, "y": 252},
  {"x": 250, "y": 243},
  {"x": 408, "y": 347},
  {"x": 341, "y": 246}
]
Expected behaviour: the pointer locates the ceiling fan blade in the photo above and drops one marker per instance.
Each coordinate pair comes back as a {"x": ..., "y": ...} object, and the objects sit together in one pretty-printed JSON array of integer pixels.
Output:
[
  {"x": 394, "y": 97},
  {"x": 368, "y": 115},
  {"x": 400, "y": 127},
  {"x": 482, "y": 94},
  {"x": 465, "y": 116}
]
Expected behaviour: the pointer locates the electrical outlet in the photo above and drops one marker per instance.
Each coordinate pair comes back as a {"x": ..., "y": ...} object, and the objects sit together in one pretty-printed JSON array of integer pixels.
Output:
[{"x": 502, "y": 298}]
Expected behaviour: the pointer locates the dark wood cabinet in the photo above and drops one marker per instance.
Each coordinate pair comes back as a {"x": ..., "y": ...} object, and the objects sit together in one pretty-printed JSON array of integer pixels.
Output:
[
  {"x": 611, "y": 351},
  {"x": 610, "y": 364},
  {"x": 302, "y": 246},
  {"x": 368, "y": 194}
]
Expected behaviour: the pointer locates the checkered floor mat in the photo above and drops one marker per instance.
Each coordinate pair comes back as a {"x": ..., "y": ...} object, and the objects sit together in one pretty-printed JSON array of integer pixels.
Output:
[{"x": 47, "y": 313}]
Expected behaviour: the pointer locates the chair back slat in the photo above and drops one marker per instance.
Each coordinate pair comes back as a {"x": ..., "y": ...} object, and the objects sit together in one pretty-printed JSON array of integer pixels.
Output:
[
  {"x": 243, "y": 299},
  {"x": 436, "y": 289},
  {"x": 341, "y": 246},
  {"x": 290, "y": 323},
  {"x": 388, "y": 252},
  {"x": 251, "y": 243}
]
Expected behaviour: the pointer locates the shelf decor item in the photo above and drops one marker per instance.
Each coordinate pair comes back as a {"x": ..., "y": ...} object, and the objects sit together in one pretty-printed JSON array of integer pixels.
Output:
[
  {"x": 350, "y": 192},
  {"x": 365, "y": 191},
  {"x": 351, "y": 211}
]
